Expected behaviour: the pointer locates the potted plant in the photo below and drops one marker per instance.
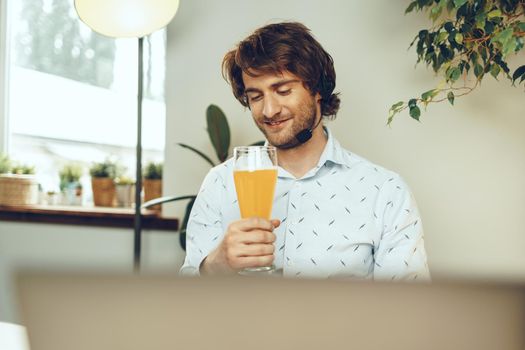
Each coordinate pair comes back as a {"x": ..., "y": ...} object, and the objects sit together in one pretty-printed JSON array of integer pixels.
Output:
[
  {"x": 70, "y": 186},
  {"x": 466, "y": 39},
  {"x": 18, "y": 184},
  {"x": 125, "y": 191},
  {"x": 153, "y": 182},
  {"x": 102, "y": 182}
]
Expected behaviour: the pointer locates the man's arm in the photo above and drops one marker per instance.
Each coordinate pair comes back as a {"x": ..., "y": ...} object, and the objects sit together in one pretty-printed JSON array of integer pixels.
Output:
[
  {"x": 400, "y": 253},
  {"x": 204, "y": 230}
]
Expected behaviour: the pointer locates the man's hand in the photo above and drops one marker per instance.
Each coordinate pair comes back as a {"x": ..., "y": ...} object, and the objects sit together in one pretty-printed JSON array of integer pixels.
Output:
[{"x": 246, "y": 243}]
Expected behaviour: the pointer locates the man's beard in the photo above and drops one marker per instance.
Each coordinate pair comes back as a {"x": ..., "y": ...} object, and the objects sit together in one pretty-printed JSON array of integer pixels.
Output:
[{"x": 305, "y": 119}]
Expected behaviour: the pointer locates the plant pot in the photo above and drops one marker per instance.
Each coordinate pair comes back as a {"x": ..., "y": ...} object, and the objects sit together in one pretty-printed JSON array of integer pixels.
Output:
[
  {"x": 72, "y": 194},
  {"x": 103, "y": 191},
  {"x": 125, "y": 195},
  {"x": 18, "y": 189},
  {"x": 152, "y": 190}
]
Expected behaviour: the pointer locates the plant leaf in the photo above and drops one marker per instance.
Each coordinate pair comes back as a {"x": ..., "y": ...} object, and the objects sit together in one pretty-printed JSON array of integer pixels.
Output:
[
  {"x": 219, "y": 131},
  {"x": 429, "y": 94},
  {"x": 411, "y": 7},
  {"x": 478, "y": 70},
  {"x": 450, "y": 97},
  {"x": 396, "y": 105},
  {"x": 415, "y": 112},
  {"x": 459, "y": 3},
  {"x": 518, "y": 73},
  {"x": 205, "y": 157},
  {"x": 258, "y": 143},
  {"x": 495, "y": 70},
  {"x": 494, "y": 13},
  {"x": 454, "y": 74}
]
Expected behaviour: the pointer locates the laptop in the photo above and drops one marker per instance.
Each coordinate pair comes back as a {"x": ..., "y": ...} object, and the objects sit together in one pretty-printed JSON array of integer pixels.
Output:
[{"x": 113, "y": 312}]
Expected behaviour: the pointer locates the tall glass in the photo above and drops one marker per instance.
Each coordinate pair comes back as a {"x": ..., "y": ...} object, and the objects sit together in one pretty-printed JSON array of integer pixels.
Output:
[{"x": 255, "y": 176}]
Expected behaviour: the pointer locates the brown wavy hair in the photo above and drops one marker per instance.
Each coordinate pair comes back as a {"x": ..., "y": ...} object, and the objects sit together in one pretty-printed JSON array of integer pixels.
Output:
[{"x": 280, "y": 47}]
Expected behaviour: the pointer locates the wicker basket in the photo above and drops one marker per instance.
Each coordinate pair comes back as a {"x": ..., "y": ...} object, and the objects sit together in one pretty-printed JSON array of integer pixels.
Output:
[{"x": 18, "y": 189}]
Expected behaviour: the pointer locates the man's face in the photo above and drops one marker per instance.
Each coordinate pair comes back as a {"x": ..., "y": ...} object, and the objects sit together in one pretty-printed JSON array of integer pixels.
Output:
[{"x": 281, "y": 106}]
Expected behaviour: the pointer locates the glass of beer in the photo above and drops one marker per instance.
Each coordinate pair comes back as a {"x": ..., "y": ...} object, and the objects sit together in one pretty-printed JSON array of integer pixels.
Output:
[{"x": 255, "y": 175}]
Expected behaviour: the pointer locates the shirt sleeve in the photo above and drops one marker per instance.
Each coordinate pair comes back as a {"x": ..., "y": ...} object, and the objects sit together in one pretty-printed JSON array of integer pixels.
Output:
[
  {"x": 204, "y": 231},
  {"x": 400, "y": 253}
]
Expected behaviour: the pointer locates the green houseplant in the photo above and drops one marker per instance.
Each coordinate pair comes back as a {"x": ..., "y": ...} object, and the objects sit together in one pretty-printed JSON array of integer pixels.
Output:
[
  {"x": 70, "y": 175},
  {"x": 5, "y": 164},
  {"x": 219, "y": 133},
  {"x": 103, "y": 175},
  {"x": 468, "y": 41},
  {"x": 153, "y": 183},
  {"x": 70, "y": 186}
]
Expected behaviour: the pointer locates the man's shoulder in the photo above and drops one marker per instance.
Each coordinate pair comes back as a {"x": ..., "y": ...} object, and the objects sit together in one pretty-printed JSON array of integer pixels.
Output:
[
  {"x": 360, "y": 164},
  {"x": 222, "y": 170}
]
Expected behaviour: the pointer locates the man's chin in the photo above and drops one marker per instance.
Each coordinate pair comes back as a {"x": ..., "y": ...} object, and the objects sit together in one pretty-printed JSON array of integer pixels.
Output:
[{"x": 283, "y": 143}]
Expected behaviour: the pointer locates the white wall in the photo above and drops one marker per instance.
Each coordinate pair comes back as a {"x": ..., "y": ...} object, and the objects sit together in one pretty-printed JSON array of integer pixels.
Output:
[
  {"x": 24, "y": 245},
  {"x": 464, "y": 163}
]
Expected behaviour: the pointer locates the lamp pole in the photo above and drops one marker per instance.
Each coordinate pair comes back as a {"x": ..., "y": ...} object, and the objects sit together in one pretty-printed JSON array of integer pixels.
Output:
[
  {"x": 126, "y": 19},
  {"x": 137, "y": 241}
]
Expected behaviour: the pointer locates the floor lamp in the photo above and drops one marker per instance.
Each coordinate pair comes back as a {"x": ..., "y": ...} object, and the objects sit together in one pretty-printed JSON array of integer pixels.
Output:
[{"x": 130, "y": 19}]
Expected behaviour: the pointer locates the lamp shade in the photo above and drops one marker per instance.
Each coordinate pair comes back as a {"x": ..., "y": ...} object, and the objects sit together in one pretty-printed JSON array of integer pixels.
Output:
[{"x": 126, "y": 18}]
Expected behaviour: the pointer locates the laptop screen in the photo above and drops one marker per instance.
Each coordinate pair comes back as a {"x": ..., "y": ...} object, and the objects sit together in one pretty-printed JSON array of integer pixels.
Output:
[{"x": 103, "y": 312}]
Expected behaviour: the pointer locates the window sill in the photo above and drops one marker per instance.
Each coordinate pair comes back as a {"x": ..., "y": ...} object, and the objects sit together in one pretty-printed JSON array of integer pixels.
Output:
[{"x": 87, "y": 216}]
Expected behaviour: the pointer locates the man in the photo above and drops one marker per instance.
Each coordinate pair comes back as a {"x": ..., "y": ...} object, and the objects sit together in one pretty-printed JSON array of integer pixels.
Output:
[{"x": 336, "y": 214}]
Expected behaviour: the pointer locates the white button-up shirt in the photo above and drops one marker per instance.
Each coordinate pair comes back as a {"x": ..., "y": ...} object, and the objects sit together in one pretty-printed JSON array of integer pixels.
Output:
[{"x": 345, "y": 218}]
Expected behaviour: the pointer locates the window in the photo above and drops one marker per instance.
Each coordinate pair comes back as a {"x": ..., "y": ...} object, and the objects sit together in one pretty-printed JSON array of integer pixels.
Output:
[{"x": 72, "y": 92}]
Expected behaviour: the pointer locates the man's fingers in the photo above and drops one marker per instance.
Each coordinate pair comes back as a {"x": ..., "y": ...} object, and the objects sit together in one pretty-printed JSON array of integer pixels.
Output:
[
  {"x": 254, "y": 261},
  {"x": 256, "y": 250},
  {"x": 254, "y": 224},
  {"x": 256, "y": 236}
]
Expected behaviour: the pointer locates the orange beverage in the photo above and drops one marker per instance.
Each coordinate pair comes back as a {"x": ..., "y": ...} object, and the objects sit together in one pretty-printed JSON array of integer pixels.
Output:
[{"x": 255, "y": 190}]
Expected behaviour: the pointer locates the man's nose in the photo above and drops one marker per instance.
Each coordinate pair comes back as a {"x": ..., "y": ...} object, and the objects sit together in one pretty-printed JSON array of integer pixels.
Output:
[{"x": 271, "y": 107}]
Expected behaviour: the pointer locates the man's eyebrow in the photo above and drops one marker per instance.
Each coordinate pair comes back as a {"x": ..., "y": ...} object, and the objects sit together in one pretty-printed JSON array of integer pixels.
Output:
[
  {"x": 284, "y": 82},
  {"x": 274, "y": 85},
  {"x": 248, "y": 90}
]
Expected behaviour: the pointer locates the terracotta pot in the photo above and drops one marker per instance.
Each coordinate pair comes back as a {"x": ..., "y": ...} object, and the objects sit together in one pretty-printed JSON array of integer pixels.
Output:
[
  {"x": 152, "y": 190},
  {"x": 103, "y": 191}
]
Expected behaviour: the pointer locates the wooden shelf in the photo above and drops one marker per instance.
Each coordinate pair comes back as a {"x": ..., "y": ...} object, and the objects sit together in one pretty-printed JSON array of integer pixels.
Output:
[{"x": 87, "y": 216}]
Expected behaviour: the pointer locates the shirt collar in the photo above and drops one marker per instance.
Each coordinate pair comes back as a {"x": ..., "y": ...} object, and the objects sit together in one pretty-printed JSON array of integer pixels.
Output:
[{"x": 333, "y": 152}]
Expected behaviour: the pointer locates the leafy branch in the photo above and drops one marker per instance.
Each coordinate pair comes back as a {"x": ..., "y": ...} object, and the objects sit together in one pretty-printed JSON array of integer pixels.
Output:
[{"x": 467, "y": 37}]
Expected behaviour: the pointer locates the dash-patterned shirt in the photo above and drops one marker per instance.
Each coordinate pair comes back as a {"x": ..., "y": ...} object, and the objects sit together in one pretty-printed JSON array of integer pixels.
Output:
[{"x": 345, "y": 218}]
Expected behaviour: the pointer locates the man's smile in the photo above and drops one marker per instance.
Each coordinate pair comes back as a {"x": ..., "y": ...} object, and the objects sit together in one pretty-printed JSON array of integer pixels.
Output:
[{"x": 275, "y": 124}]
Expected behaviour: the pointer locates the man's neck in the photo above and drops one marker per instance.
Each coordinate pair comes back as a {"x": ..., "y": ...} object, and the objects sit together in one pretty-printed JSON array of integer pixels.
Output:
[{"x": 301, "y": 159}]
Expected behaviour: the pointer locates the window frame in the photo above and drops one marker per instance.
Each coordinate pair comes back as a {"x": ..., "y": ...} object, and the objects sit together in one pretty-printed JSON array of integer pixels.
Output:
[
  {"x": 4, "y": 77},
  {"x": 72, "y": 215}
]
